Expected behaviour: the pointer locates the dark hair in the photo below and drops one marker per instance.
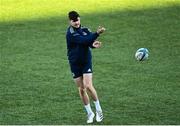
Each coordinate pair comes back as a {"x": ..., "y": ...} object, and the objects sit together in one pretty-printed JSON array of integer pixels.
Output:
[{"x": 73, "y": 15}]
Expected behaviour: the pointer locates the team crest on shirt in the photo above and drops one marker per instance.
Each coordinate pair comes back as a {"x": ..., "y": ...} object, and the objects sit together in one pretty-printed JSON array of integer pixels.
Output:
[{"x": 84, "y": 33}]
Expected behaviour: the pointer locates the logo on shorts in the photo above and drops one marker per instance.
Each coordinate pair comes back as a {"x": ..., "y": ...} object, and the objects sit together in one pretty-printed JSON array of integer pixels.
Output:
[
  {"x": 73, "y": 74},
  {"x": 89, "y": 70}
]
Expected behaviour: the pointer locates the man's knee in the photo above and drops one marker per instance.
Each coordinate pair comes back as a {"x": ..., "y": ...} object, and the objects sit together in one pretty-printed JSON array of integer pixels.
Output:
[
  {"x": 82, "y": 90},
  {"x": 87, "y": 85}
]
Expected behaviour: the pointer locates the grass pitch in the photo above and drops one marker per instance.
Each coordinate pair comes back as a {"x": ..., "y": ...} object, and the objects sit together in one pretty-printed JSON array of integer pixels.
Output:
[{"x": 36, "y": 86}]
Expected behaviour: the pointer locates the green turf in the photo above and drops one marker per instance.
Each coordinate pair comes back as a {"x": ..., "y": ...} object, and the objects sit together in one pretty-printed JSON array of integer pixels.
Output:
[{"x": 36, "y": 86}]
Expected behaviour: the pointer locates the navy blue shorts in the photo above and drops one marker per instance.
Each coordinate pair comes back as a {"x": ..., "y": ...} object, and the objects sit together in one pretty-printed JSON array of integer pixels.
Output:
[{"x": 79, "y": 69}]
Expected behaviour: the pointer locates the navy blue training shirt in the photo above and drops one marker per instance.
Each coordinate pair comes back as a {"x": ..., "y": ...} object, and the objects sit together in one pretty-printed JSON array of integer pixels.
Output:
[{"x": 79, "y": 40}]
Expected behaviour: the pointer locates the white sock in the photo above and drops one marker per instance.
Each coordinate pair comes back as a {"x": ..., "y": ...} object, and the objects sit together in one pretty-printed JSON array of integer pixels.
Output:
[
  {"x": 97, "y": 105},
  {"x": 88, "y": 109}
]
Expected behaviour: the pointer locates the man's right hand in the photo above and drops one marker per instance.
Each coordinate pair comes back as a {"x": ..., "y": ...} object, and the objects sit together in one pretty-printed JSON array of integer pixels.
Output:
[{"x": 100, "y": 30}]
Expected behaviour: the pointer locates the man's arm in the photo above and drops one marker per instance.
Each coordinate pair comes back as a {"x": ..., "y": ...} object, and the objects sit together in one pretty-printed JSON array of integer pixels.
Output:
[
  {"x": 89, "y": 39},
  {"x": 86, "y": 40},
  {"x": 97, "y": 44}
]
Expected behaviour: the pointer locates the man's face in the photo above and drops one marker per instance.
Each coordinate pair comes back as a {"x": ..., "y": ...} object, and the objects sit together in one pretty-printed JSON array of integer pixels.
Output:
[{"x": 75, "y": 23}]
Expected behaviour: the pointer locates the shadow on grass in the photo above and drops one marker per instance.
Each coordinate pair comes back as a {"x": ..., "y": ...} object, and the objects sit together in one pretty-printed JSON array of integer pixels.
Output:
[{"x": 35, "y": 73}]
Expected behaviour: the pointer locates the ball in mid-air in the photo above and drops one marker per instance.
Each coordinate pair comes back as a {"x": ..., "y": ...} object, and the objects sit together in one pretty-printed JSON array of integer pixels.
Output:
[{"x": 142, "y": 54}]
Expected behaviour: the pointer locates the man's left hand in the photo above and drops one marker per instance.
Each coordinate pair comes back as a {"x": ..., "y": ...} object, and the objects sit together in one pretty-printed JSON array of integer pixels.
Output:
[{"x": 97, "y": 44}]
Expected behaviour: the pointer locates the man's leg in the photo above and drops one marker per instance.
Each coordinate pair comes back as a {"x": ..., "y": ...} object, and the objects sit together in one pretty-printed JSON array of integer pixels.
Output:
[
  {"x": 87, "y": 81},
  {"x": 85, "y": 98},
  {"x": 82, "y": 90}
]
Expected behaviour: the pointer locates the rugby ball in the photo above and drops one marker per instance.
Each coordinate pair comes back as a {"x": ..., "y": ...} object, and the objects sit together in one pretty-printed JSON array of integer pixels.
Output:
[{"x": 142, "y": 54}]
